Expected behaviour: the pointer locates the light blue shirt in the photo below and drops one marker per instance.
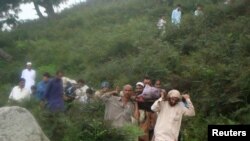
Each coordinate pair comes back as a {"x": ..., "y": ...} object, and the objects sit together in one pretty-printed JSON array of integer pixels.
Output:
[
  {"x": 176, "y": 16},
  {"x": 41, "y": 88}
]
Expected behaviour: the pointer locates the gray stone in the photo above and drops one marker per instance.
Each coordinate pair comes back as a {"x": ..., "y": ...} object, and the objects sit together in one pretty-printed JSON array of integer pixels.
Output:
[{"x": 18, "y": 124}]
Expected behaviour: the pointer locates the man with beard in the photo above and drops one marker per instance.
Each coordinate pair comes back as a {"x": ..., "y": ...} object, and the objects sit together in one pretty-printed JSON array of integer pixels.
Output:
[
  {"x": 29, "y": 75},
  {"x": 170, "y": 111}
]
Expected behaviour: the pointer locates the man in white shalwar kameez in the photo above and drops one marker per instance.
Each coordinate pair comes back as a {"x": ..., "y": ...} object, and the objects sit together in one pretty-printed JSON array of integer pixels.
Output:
[
  {"x": 170, "y": 111},
  {"x": 29, "y": 75}
]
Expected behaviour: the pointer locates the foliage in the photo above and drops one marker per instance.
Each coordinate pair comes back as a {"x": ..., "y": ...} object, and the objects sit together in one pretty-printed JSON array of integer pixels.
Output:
[
  {"x": 8, "y": 12},
  {"x": 79, "y": 123},
  {"x": 117, "y": 41}
]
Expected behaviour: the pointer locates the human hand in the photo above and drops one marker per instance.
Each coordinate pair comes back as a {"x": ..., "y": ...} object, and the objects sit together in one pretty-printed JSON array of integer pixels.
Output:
[
  {"x": 139, "y": 99},
  {"x": 117, "y": 89},
  {"x": 186, "y": 96},
  {"x": 162, "y": 94},
  {"x": 42, "y": 104}
]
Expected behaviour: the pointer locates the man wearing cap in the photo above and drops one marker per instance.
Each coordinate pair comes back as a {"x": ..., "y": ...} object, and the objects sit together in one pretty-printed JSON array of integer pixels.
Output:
[
  {"x": 105, "y": 89},
  {"x": 29, "y": 75},
  {"x": 143, "y": 115},
  {"x": 170, "y": 112}
]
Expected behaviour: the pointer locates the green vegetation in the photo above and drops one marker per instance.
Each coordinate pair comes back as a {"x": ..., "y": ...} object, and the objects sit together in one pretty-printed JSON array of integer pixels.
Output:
[{"x": 117, "y": 41}]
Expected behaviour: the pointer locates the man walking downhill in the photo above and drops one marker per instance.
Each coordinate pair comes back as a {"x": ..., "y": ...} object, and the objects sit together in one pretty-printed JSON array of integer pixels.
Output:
[{"x": 170, "y": 112}]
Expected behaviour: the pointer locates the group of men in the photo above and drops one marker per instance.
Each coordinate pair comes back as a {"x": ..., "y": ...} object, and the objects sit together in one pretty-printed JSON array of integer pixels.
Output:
[
  {"x": 176, "y": 16},
  {"x": 51, "y": 92},
  {"x": 156, "y": 111},
  {"x": 23, "y": 90}
]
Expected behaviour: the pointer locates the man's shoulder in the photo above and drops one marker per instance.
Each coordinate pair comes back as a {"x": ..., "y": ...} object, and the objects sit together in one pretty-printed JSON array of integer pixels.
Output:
[
  {"x": 52, "y": 80},
  {"x": 118, "y": 98},
  {"x": 40, "y": 83},
  {"x": 24, "y": 70},
  {"x": 85, "y": 87},
  {"x": 15, "y": 87},
  {"x": 98, "y": 92}
]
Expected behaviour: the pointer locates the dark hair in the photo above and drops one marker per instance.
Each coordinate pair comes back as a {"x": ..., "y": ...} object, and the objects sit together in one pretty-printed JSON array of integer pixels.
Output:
[
  {"x": 178, "y": 5},
  {"x": 33, "y": 87},
  {"x": 90, "y": 91},
  {"x": 105, "y": 84},
  {"x": 199, "y": 5},
  {"x": 81, "y": 81},
  {"x": 58, "y": 72},
  {"x": 22, "y": 79},
  {"x": 154, "y": 81},
  {"x": 147, "y": 77},
  {"x": 46, "y": 74}
]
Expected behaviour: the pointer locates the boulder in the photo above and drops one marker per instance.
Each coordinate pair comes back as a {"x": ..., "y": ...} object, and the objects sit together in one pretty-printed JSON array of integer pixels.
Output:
[{"x": 18, "y": 124}]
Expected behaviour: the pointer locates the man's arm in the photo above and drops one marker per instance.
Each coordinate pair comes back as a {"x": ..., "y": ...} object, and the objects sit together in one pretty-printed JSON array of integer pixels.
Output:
[
  {"x": 28, "y": 94},
  {"x": 11, "y": 95},
  {"x": 173, "y": 16},
  {"x": 34, "y": 76},
  {"x": 107, "y": 95},
  {"x": 47, "y": 91},
  {"x": 189, "y": 109},
  {"x": 22, "y": 74},
  {"x": 136, "y": 111},
  {"x": 156, "y": 106}
]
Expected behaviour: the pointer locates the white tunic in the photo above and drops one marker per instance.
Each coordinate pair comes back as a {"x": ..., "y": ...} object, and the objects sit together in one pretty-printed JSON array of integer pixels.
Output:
[
  {"x": 161, "y": 24},
  {"x": 169, "y": 119},
  {"x": 29, "y": 76},
  {"x": 81, "y": 94},
  {"x": 19, "y": 94},
  {"x": 176, "y": 16}
]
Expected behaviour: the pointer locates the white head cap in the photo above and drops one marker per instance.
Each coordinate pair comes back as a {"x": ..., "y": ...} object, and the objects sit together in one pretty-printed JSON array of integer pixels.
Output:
[
  {"x": 174, "y": 93},
  {"x": 140, "y": 83},
  {"x": 28, "y": 63}
]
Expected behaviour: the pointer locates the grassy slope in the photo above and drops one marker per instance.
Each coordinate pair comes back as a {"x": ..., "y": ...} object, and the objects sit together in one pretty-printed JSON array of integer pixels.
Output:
[{"x": 117, "y": 41}]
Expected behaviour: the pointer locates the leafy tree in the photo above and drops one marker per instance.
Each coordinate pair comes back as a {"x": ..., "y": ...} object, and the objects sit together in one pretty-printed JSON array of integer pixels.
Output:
[
  {"x": 47, "y": 4},
  {"x": 10, "y": 8},
  {"x": 116, "y": 40},
  {"x": 8, "y": 12}
]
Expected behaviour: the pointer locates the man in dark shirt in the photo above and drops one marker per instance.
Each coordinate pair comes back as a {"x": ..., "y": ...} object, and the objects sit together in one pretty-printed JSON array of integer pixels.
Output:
[{"x": 54, "y": 94}]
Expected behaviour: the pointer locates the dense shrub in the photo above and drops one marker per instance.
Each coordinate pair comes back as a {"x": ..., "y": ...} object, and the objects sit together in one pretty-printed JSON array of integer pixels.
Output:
[{"x": 117, "y": 41}]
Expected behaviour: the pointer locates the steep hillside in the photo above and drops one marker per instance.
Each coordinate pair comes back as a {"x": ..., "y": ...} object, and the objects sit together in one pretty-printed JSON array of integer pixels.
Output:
[{"x": 118, "y": 41}]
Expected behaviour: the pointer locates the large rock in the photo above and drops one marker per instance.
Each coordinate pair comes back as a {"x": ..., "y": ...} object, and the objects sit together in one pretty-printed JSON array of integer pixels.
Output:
[{"x": 17, "y": 124}]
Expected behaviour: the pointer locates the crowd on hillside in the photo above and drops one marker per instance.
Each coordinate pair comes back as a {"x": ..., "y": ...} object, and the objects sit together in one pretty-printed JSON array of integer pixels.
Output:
[
  {"x": 157, "y": 111},
  {"x": 176, "y": 16}
]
